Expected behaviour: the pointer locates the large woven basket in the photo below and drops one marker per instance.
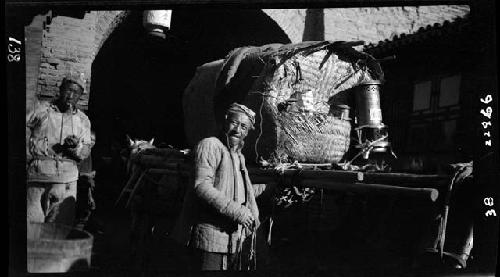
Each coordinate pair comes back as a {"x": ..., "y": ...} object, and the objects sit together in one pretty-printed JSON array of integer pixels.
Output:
[
  {"x": 318, "y": 138},
  {"x": 308, "y": 138},
  {"x": 267, "y": 77},
  {"x": 305, "y": 137}
]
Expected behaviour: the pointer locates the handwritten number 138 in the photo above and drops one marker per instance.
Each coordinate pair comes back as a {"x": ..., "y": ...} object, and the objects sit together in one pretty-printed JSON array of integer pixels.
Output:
[{"x": 14, "y": 52}]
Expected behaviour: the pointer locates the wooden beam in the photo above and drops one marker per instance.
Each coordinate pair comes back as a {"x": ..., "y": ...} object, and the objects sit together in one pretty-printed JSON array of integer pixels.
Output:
[
  {"x": 428, "y": 194},
  {"x": 151, "y": 4},
  {"x": 425, "y": 193},
  {"x": 399, "y": 179},
  {"x": 425, "y": 186}
]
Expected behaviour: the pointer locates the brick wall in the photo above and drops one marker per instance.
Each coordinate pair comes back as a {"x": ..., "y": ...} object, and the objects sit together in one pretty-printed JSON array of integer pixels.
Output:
[
  {"x": 368, "y": 24},
  {"x": 71, "y": 44},
  {"x": 107, "y": 21},
  {"x": 292, "y": 21},
  {"x": 67, "y": 45},
  {"x": 376, "y": 24},
  {"x": 33, "y": 40}
]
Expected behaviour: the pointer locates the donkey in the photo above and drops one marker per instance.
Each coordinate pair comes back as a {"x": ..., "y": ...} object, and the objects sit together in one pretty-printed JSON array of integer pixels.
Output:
[{"x": 133, "y": 170}]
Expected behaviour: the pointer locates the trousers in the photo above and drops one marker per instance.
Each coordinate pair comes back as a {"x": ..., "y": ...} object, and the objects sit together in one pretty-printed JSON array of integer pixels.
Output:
[
  {"x": 85, "y": 204},
  {"x": 51, "y": 202},
  {"x": 201, "y": 260}
]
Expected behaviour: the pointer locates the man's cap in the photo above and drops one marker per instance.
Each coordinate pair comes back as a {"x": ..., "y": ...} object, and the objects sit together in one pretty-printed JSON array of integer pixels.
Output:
[
  {"x": 238, "y": 108},
  {"x": 76, "y": 77}
]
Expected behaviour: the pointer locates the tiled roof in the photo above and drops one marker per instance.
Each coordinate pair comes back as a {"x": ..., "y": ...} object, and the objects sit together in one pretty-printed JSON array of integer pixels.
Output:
[{"x": 436, "y": 30}]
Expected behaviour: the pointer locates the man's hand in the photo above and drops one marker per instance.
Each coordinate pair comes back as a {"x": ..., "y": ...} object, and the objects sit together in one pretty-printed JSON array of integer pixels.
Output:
[
  {"x": 71, "y": 141},
  {"x": 58, "y": 148},
  {"x": 72, "y": 148},
  {"x": 463, "y": 170},
  {"x": 248, "y": 219}
]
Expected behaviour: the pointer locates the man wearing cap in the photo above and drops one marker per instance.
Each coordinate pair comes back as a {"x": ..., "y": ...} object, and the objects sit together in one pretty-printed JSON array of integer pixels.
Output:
[
  {"x": 58, "y": 138},
  {"x": 219, "y": 210}
]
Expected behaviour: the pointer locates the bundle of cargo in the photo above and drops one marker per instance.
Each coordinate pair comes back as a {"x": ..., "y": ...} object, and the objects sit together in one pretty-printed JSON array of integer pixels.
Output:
[
  {"x": 291, "y": 88},
  {"x": 143, "y": 163},
  {"x": 160, "y": 157},
  {"x": 198, "y": 103}
]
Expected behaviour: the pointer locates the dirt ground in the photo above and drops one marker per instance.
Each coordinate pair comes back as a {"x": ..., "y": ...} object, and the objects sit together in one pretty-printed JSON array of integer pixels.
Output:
[{"x": 377, "y": 244}]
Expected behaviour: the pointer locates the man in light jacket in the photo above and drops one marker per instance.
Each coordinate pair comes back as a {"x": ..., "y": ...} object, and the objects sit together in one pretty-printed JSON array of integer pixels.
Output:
[
  {"x": 219, "y": 210},
  {"x": 58, "y": 138}
]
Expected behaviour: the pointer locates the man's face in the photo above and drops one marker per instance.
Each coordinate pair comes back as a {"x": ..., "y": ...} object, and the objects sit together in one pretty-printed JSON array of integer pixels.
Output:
[
  {"x": 237, "y": 127},
  {"x": 92, "y": 139},
  {"x": 69, "y": 95}
]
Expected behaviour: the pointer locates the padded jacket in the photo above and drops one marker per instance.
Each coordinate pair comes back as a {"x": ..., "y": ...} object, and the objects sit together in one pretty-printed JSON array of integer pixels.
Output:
[
  {"x": 47, "y": 126},
  {"x": 210, "y": 215}
]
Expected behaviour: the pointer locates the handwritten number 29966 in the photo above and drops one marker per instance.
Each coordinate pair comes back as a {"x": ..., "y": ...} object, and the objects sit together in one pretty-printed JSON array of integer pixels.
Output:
[{"x": 486, "y": 112}]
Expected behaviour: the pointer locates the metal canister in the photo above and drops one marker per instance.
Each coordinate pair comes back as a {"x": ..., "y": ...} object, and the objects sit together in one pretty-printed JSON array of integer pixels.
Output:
[
  {"x": 157, "y": 22},
  {"x": 340, "y": 111},
  {"x": 368, "y": 104}
]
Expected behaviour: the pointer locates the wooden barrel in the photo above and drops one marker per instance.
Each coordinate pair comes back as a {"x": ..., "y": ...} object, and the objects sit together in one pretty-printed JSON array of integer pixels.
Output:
[{"x": 55, "y": 247}]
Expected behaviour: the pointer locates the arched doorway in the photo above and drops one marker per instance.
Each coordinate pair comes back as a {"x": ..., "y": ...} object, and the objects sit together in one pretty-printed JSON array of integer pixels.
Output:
[{"x": 138, "y": 80}]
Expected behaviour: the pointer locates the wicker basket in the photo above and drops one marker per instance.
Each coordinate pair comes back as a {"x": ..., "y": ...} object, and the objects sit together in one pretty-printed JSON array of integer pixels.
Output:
[
  {"x": 317, "y": 138},
  {"x": 264, "y": 78},
  {"x": 311, "y": 138},
  {"x": 306, "y": 137}
]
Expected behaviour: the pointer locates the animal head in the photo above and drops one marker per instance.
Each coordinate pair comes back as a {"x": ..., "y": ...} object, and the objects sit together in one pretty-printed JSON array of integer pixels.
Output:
[{"x": 136, "y": 146}]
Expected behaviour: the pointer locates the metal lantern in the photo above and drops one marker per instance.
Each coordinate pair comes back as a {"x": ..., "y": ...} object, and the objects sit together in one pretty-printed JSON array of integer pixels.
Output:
[
  {"x": 371, "y": 131},
  {"x": 157, "y": 22},
  {"x": 368, "y": 104}
]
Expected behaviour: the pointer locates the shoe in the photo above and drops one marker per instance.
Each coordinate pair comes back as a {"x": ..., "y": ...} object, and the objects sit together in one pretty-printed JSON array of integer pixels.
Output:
[
  {"x": 454, "y": 260},
  {"x": 430, "y": 259}
]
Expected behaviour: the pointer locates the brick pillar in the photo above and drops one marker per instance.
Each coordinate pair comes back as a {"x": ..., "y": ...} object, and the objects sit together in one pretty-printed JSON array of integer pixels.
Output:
[
  {"x": 314, "y": 25},
  {"x": 33, "y": 36}
]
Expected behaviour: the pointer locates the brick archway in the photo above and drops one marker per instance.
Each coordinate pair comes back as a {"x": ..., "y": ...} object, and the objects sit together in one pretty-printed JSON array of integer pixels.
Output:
[
  {"x": 138, "y": 81},
  {"x": 59, "y": 43},
  {"x": 291, "y": 21},
  {"x": 106, "y": 23}
]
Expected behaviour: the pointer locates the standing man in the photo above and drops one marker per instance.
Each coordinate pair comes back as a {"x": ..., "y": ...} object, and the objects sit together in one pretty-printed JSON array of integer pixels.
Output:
[
  {"x": 59, "y": 138},
  {"x": 219, "y": 210}
]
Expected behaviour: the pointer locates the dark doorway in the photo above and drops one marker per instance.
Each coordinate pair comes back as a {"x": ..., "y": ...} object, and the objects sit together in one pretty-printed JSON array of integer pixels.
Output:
[{"x": 138, "y": 80}]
